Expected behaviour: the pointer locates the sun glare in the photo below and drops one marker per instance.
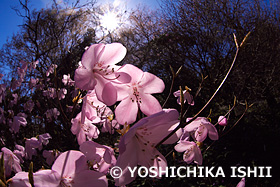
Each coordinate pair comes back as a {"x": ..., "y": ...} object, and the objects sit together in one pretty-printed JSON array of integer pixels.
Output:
[{"x": 110, "y": 21}]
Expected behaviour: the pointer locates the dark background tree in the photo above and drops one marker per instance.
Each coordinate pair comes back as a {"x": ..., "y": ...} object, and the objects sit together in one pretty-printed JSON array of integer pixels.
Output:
[{"x": 198, "y": 35}]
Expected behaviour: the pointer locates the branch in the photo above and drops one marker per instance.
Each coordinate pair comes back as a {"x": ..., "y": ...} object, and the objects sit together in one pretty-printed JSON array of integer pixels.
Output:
[{"x": 182, "y": 125}]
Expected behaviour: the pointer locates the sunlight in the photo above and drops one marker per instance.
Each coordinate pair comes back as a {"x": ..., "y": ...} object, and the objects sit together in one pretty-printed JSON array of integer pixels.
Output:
[
  {"x": 110, "y": 21},
  {"x": 114, "y": 16}
]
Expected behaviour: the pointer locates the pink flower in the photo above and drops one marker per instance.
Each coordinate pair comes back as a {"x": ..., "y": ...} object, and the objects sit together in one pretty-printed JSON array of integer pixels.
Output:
[
  {"x": 11, "y": 161},
  {"x": 19, "y": 152},
  {"x": 18, "y": 121},
  {"x": 137, "y": 146},
  {"x": 222, "y": 120},
  {"x": 73, "y": 170},
  {"x": 199, "y": 129},
  {"x": 241, "y": 183},
  {"x": 50, "y": 155},
  {"x": 66, "y": 80},
  {"x": 92, "y": 107},
  {"x": 14, "y": 101},
  {"x": 98, "y": 70},
  {"x": 187, "y": 97},
  {"x": 100, "y": 157},
  {"x": 61, "y": 93},
  {"x": 44, "y": 139},
  {"x": 30, "y": 147},
  {"x": 137, "y": 94},
  {"x": 192, "y": 152},
  {"x": 108, "y": 123},
  {"x": 41, "y": 178},
  {"x": 69, "y": 169},
  {"x": 50, "y": 93},
  {"x": 52, "y": 113},
  {"x": 83, "y": 128}
]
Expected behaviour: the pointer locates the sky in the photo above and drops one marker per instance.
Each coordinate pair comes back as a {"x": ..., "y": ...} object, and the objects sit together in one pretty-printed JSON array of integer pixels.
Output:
[{"x": 10, "y": 21}]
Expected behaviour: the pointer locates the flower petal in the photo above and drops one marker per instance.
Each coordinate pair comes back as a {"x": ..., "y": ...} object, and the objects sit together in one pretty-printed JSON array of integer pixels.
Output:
[
  {"x": 69, "y": 163},
  {"x": 151, "y": 83},
  {"x": 90, "y": 56},
  {"x": 113, "y": 53},
  {"x": 135, "y": 73},
  {"x": 88, "y": 178},
  {"x": 126, "y": 111},
  {"x": 84, "y": 79},
  {"x": 127, "y": 158},
  {"x": 201, "y": 133},
  {"x": 183, "y": 146},
  {"x": 109, "y": 94},
  {"x": 212, "y": 131},
  {"x": 149, "y": 105}
]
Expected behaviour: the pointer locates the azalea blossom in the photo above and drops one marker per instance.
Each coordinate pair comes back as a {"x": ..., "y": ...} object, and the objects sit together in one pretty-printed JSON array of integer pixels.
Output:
[
  {"x": 137, "y": 94},
  {"x": 30, "y": 147},
  {"x": 50, "y": 93},
  {"x": 61, "y": 93},
  {"x": 41, "y": 178},
  {"x": 44, "y": 139},
  {"x": 66, "y": 80},
  {"x": 82, "y": 125},
  {"x": 137, "y": 146},
  {"x": 50, "y": 155},
  {"x": 222, "y": 120},
  {"x": 98, "y": 70},
  {"x": 19, "y": 151},
  {"x": 241, "y": 183},
  {"x": 69, "y": 169},
  {"x": 83, "y": 128},
  {"x": 19, "y": 120},
  {"x": 11, "y": 161},
  {"x": 109, "y": 124},
  {"x": 52, "y": 113},
  {"x": 187, "y": 97},
  {"x": 199, "y": 129},
  {"x": 92, "y": 107},
  {"x": 14, "y": 101},
  {"x": 100, "y": 157},
  {"x": 191, "y": 151},
  {"x": 73, "y": 170}
]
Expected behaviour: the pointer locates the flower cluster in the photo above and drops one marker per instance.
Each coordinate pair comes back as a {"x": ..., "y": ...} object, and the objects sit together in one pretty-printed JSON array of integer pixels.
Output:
[{"x": 115, "y": 99}]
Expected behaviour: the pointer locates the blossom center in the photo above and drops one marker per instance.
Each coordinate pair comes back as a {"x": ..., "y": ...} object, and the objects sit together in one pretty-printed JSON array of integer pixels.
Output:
[
  {"x": 135, "y": 94},
  {"x": 67, "y": 181},
  {"x": 188, "y": 152},
  {"x": 104, "y": 70}
]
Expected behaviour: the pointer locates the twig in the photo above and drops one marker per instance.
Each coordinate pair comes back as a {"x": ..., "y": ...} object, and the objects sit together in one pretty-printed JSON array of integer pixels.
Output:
[{"x": 182, "y": 125}]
